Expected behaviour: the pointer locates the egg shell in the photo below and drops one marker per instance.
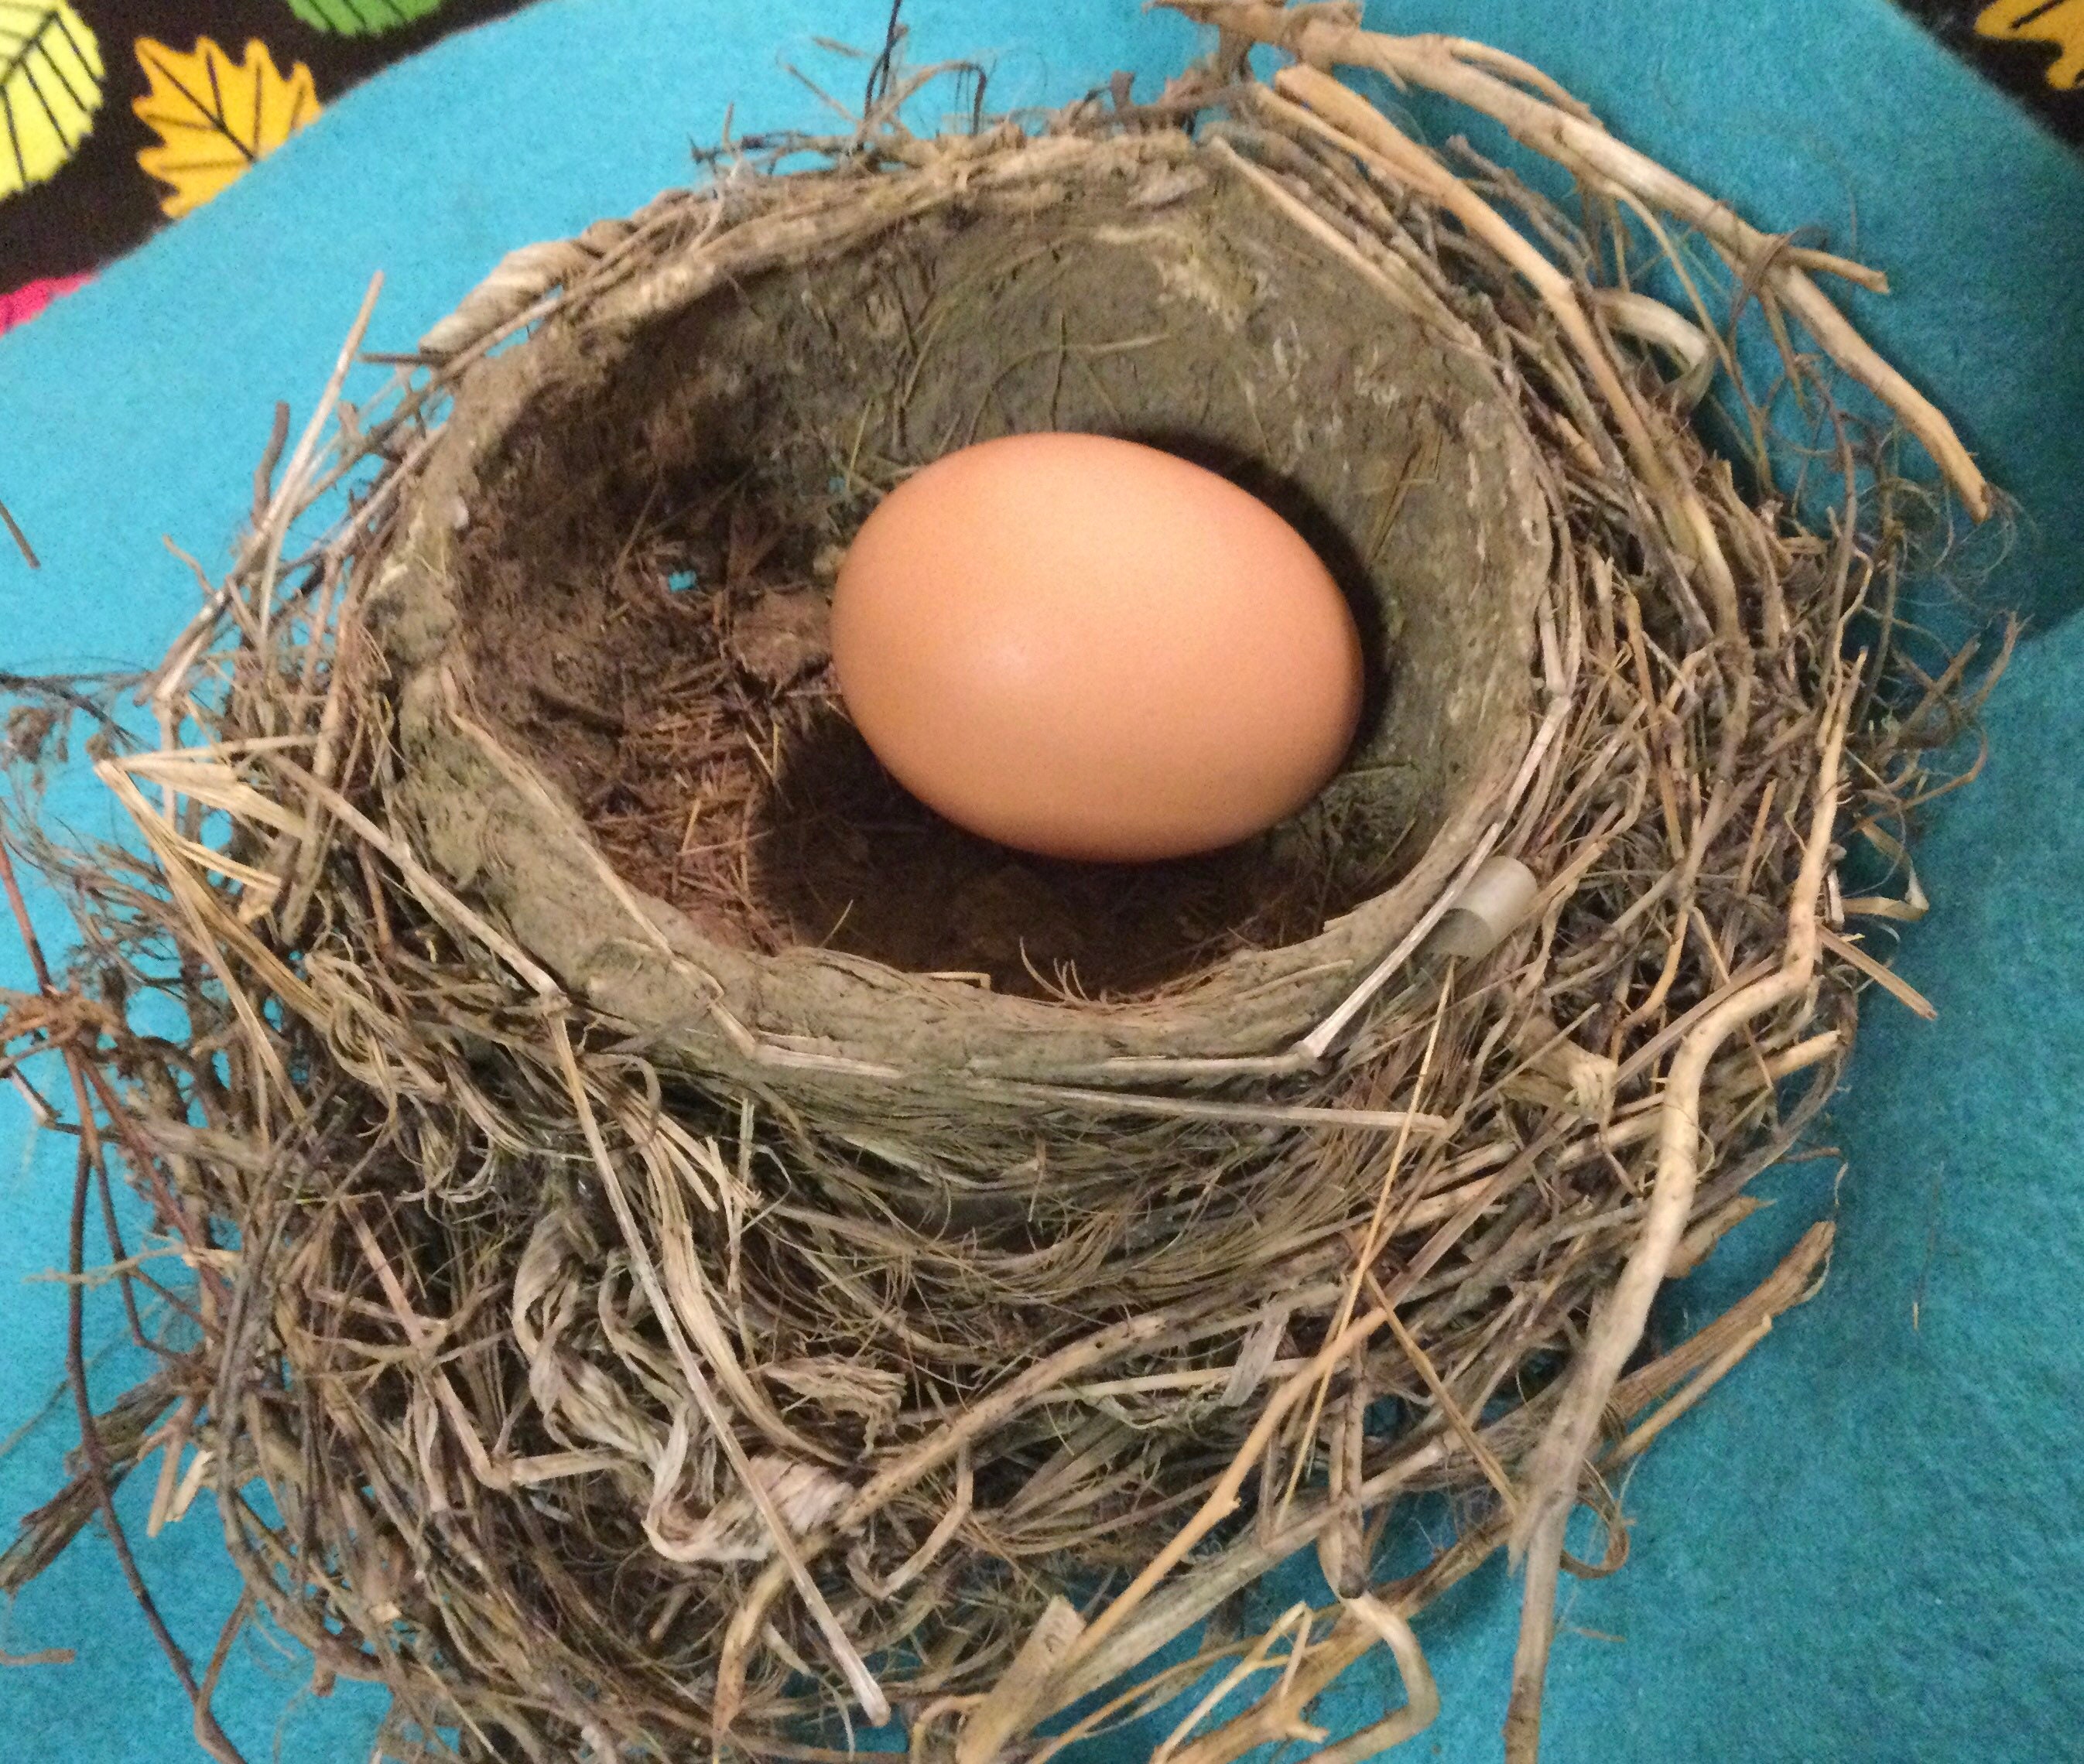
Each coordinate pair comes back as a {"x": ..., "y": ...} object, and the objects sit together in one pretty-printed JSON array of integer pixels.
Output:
[{"x": 1087, "y": 648}]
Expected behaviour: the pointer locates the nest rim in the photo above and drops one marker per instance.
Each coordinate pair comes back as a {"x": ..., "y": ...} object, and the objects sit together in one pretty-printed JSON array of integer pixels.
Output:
[{"x": 715, "y": 1005}]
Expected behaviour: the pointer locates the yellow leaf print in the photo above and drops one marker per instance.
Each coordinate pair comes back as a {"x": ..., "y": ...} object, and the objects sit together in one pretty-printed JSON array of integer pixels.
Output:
[
  {"x": 2059, "y": 22},
  {"x": 215, "y": 116},
  {"x": 50, "y": 87}
]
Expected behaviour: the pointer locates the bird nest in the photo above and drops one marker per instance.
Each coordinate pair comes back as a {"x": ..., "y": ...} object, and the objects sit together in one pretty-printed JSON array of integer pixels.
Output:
[{"x": 695, "y": 1250}]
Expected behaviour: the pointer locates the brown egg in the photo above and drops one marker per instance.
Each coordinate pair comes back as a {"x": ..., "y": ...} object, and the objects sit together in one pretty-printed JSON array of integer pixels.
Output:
[{"x": 1086, "y": 648}]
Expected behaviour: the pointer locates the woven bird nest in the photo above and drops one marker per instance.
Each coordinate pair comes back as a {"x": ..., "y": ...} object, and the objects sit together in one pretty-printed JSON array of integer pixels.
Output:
[{"x": 692, "y": 1245}]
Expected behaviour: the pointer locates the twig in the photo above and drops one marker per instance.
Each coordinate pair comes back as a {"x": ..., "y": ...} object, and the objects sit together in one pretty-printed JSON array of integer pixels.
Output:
[
  {"x": 21, "y": 538},
  {"x": 1551, "y": 1483},
  {"x": 1576, "y": 142}
]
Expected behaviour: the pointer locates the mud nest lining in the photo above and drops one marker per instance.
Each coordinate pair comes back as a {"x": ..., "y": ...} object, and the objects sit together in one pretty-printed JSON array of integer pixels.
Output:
[
  {"x": 692, "y": 1245},
  {"x": 642, "y": 586}
]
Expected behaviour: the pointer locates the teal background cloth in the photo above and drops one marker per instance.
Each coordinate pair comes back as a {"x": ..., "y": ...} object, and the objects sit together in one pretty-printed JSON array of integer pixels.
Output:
[{"x": 1869, "y": 1543}]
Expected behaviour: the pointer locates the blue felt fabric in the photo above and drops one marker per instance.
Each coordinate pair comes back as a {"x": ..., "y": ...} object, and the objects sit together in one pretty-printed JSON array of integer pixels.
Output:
[{"x": 1866, "y": 1544}]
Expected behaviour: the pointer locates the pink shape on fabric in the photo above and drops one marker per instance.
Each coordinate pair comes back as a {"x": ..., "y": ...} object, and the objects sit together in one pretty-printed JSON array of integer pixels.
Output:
[{"x": 23, "y": 303}]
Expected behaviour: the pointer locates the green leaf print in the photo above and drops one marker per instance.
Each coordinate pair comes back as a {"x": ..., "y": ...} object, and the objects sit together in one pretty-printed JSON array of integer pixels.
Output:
[{"x": 361, "y": 18}]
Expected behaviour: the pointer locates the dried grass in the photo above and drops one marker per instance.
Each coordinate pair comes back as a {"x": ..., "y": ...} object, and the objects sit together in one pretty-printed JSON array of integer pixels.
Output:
[{"x": 607, "y": 1404}]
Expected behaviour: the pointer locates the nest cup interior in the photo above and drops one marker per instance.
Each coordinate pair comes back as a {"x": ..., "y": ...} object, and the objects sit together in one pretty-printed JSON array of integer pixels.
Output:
[{"x": 641, "y": 583}]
